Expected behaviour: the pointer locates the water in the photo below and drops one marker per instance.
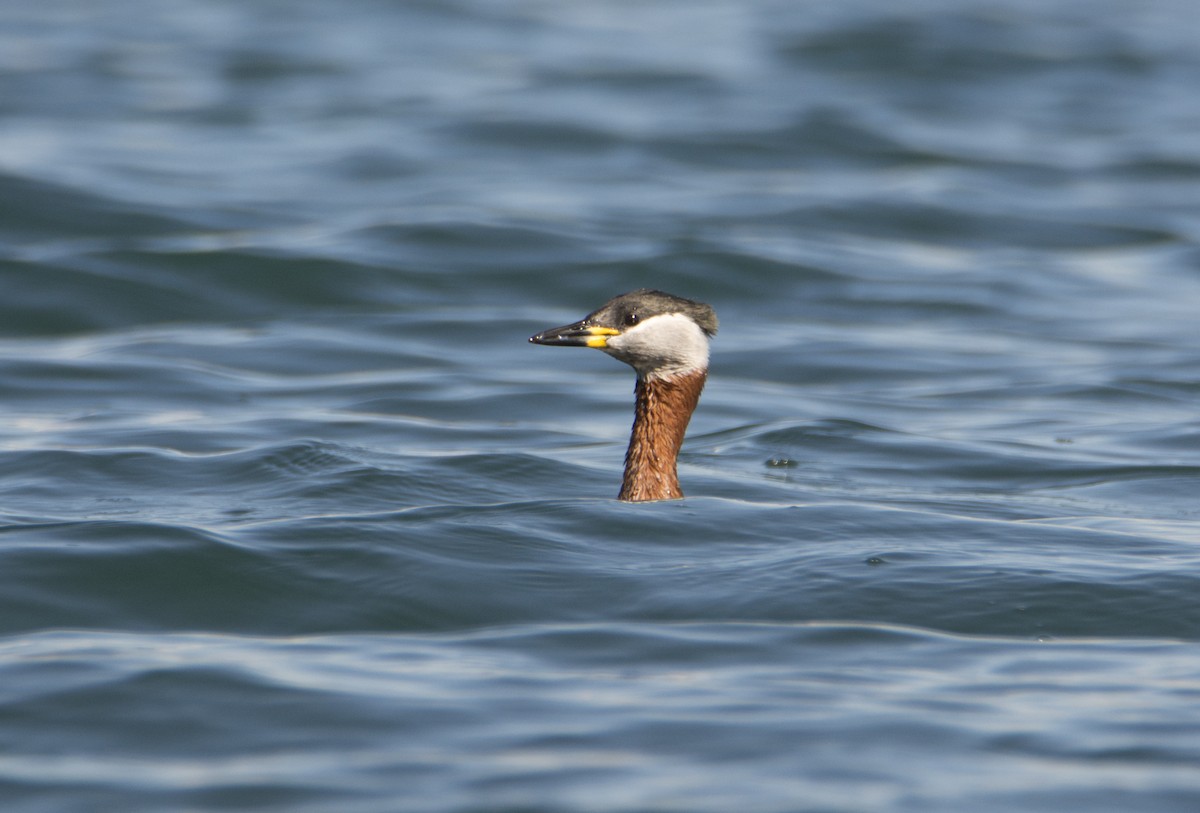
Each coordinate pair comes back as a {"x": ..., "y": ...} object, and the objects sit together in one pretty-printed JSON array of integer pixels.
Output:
[{"x": 292, "y": 518}]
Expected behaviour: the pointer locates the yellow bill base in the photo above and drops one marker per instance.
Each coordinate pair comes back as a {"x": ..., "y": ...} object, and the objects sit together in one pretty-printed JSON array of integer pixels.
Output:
[{"x": 600, "y": 336}]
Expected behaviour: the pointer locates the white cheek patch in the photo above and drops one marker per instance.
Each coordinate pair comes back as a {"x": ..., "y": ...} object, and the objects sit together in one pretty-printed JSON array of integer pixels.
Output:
[{"x": 662, "y": 346}]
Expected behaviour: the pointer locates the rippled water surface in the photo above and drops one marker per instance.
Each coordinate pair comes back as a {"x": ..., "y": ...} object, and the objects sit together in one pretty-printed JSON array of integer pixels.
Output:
[{"x": 293, "y": 518}]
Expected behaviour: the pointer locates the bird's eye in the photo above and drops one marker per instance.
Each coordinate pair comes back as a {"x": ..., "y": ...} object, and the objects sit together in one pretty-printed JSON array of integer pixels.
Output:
[{"x": 632, "y": 319}]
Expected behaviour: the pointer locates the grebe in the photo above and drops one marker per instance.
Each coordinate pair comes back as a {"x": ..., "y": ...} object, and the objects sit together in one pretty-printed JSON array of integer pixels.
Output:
[{"x": 665, "y": 339}]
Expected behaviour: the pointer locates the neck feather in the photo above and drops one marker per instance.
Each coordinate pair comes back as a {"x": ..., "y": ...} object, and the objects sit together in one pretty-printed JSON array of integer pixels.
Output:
[{"x": 663, "y": 408}]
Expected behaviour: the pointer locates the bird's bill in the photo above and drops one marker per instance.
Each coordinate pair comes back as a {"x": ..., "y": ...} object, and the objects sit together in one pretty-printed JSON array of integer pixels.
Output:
[{"x": 576, "y": 335}]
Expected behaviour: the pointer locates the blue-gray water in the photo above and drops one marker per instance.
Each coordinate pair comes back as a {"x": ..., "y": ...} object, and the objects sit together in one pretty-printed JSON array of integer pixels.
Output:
[{"x": 293, "y": 518}]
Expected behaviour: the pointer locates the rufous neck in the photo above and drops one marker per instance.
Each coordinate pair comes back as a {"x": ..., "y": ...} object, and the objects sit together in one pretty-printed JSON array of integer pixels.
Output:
[{"x": 663, "y": 408}]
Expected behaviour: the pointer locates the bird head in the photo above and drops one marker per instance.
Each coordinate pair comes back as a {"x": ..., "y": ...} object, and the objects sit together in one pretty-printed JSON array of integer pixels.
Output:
[{"x": 656, "y": 333}]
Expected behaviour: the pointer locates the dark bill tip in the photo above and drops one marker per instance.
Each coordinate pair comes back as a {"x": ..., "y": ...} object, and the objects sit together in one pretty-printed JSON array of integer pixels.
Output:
[{"x": 575, "y": 335}]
